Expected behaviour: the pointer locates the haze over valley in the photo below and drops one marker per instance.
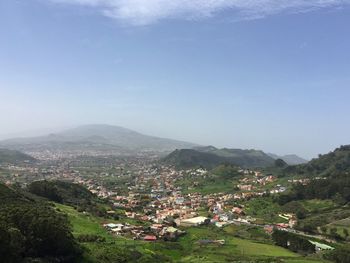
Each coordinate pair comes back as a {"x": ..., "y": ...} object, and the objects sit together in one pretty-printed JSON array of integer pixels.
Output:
[{"x": 174, "y": 131}]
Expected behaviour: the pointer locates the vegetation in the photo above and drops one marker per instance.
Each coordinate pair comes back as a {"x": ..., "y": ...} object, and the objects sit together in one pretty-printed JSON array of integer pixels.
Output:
[
  {"x": 10, "y": 156},
  {"x": 31, "y": 229},
  {"x": 335, "y": 187},
  {"x": 293, "y": 242},
  {"x": 331, "y": 164},
  {"x": 264, "y": 209},
  {"x": 69, "y": 193},
  {"x": 210, "y": 157},
  {"x": 226, "y": 171},
  {"x": 221, "y": 179},
  {"x": 239, "y": 245},
  {"x": 340, "y": 255}
]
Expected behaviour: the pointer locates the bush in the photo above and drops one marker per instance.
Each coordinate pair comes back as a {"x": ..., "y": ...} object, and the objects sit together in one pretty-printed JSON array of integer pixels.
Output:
[{"x": 90, "y": 238}]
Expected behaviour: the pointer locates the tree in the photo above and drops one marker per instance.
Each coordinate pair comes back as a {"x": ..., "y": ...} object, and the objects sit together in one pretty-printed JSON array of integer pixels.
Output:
[
  {"x": 324, "y": 229},
  {"x": 339, "y": 255},
  {"x": 300, "y": 214},
  {"x": 292, "y": 242},
  {"x": 33, "y": 229}
]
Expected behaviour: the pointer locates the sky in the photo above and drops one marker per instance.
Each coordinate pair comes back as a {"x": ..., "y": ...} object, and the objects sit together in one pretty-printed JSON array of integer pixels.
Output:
[{"x": 268, "y": 74}]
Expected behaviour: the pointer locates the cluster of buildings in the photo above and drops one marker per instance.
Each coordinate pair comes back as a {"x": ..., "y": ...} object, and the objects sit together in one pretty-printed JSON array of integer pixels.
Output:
[
  {"x": 148, "y": 233},
  {"x": 153, "y": 195}
]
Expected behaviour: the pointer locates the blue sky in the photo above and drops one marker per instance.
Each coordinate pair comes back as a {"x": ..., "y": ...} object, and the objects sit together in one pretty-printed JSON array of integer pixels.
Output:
[{"x": 271, "y": 75}]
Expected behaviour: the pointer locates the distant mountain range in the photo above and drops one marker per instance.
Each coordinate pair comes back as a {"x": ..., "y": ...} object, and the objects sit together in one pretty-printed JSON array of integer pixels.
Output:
[
  {"x": 210, "y": 157},
  {"x": 114, "y": 140},
  {"x": 290, "y": 159},
  {"x": 105, "y": 138}
]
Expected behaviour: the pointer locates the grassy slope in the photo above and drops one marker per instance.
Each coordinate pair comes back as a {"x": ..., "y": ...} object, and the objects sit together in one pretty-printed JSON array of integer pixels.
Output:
[
  {"x": 340, "y": 225},
  {"x": 186, "y": 250},
  {"x": 94, "y": 252},
  {"x": 234, "y": 247}
]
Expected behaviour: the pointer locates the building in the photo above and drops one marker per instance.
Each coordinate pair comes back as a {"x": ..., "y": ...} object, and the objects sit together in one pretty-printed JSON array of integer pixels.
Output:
[
  {"x": 150, "y": 238},
  {"x": 195, "y": 221}
]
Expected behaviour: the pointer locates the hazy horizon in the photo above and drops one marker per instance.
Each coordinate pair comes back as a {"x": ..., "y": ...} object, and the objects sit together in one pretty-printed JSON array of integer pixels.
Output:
[
  {"x": 56, "y": 130},
  {"x": 269, "y": 75}
]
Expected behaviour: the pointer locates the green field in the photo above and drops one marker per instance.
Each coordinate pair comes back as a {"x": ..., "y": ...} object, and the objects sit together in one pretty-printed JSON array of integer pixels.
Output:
[{"x": 234, "y": 247}]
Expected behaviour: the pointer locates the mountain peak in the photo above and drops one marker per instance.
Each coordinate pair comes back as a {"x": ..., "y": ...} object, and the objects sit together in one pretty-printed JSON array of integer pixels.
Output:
[{"x": 97, "y": 137}]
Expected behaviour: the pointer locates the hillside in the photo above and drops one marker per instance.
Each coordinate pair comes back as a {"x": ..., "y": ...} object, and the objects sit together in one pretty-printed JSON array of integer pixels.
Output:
[
  {"x": 290, "y": 159},
  {"x": 69, "y": 194},
  {"x": 188, "y": 158},
  {"x": 210, "y": 157},
  {"x": 12, "y": 156},
  {"x": 97, "y": 138},
  {"x": 33, "y": 231},
  {"x": 329, "y": 183},
  {"x": 330, "y": 164}
]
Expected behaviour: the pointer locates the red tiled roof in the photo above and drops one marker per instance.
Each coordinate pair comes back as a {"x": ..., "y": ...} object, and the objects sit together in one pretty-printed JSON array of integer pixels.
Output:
[{"x": 150, "y": 238}]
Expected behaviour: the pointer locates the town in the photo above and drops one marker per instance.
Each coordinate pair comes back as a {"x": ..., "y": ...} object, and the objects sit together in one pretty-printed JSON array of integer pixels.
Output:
[{"x": 153, "y": 197}]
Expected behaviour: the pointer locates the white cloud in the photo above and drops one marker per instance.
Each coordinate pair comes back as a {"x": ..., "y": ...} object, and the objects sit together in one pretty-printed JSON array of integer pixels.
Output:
[{"x": 143, "y": 12}]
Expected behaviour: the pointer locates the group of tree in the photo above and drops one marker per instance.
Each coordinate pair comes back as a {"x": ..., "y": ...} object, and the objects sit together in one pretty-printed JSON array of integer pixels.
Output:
[
  {"x": 32, "y": 230},
  {"x": 336, "y": 187},
  {"x": 330, "y": 164},
  {"x": 293, "y": 242},
  {"x": 226, "y": 171},
  {"x": 69, "y": 194},
  {"x": 209, "y": 157},
  {"x": 339, "y": 255}
]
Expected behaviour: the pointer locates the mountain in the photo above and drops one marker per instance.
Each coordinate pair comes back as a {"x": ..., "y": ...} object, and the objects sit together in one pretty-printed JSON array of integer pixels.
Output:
[
  {"x": 106, "y": 138},
  {"x": 189, "y": 158},
  {"x": 12, "y": 156},
  {"x": 290, "y": 159},
  {"x": 210, "y": 157},
  {"x": 330, "y": 164}
]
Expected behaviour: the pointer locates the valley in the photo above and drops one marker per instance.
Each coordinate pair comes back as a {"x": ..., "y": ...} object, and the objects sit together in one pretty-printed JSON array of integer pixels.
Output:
[{"x": 143, "y": 207}]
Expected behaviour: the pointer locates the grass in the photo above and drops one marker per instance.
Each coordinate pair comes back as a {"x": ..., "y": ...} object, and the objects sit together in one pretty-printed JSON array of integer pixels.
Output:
[
  {"x": 233, "y": 245},
  {"x": 344, "y": 222},
  {"x": 209, "y": 187},
  {"x": 95, "y": 251},
  {"x": 341, "y": 226},
  {"x": 264, "y": 209},
  {"x": 187, "y": 249},
  {"x": 316, "y": 205},
  {"x": 84, "y": 223},
  {"x": 249, "y": 232},
  {"x": 218, "y": 187},
  {"x": 235, "y": 249},
  {"x": 304, "y": 260}
]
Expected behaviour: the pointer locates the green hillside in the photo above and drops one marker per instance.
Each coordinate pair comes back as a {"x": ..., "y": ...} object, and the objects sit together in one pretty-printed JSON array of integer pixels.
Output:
[
  {"x": 71, "y": 194},
  {"x": 335, "y": 162},
  {"x": 210, "y": 157},
  {"x": 188, "y": 158},
  {"x": 32, "y": 230},
  {"x": 10, "y": 156},
  {"x": 186, "y": 249}
]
